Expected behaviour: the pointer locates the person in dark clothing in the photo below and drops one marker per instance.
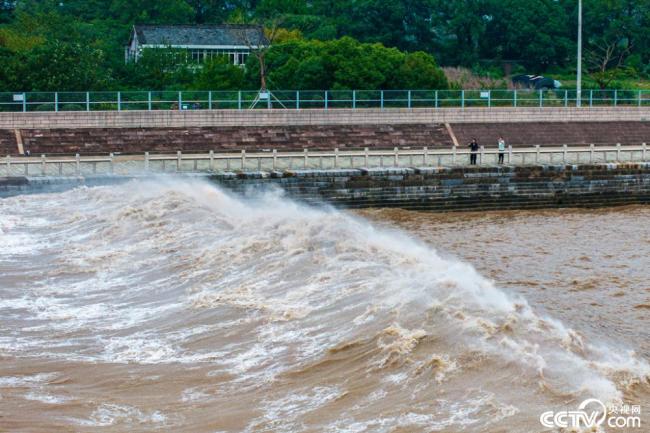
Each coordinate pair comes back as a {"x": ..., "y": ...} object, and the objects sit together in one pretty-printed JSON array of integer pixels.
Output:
[
  {"x": 501, "y": 144},
  {"x": 473, "y": 147}
]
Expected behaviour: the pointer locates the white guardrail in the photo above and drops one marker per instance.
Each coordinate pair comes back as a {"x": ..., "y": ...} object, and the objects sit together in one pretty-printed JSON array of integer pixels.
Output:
[{"x": 274, "y": 160}]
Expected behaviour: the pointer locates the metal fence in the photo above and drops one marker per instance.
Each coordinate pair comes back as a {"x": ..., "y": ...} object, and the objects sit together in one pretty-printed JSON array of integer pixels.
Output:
[
  {"x": 320, "y": 99},
  {"x": 278, "y": 161}
]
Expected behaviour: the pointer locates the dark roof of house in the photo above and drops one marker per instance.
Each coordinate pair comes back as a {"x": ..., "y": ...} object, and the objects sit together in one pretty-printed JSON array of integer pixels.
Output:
[{"x": 223, "y": 34}]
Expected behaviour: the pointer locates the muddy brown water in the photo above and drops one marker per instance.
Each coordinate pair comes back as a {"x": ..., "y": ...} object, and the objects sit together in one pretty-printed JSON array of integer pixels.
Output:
[{"x": 173, "y": 306}]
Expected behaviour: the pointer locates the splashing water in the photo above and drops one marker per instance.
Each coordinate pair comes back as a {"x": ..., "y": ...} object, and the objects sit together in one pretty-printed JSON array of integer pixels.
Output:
[{"x": 285, "y": 317}]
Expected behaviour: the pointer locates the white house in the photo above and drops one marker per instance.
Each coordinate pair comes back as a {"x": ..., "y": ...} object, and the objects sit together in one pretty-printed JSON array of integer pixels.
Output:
[{"x": 201, "y": 42}]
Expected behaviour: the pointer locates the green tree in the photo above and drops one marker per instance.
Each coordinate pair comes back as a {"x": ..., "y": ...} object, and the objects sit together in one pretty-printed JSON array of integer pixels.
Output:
[
  {"x": 57, "y": 66},
  {"x": 219, "y": 74},
  {"x": 534, "y": 33},
  {"x": 419, "y": 71},
  {"x": 348, "y": 64},
  {"x": 153, "y": 11}
]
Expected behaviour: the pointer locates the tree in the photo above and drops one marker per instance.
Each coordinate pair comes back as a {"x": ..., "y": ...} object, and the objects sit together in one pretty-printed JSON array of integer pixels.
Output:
[
  {"x": 153, "y": 11},
  {"x": 348, "y": 64},
  {"x": 419, "y": 71},
  {"x": 7, "y": 8},
  {"x": 605, "y": 60},
  {"x": 533, "y": 33},
  {"x": 57, "y": 66},
  {"x": 219, "y": 74}
]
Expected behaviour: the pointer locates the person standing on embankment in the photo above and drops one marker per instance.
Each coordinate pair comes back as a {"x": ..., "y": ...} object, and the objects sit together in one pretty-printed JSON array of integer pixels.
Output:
[
  {"x": 501, "y": 143},
  {"x": 473, "y": 147}
]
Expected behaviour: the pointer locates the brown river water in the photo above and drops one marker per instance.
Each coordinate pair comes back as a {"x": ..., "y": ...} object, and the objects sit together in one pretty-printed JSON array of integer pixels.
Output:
[{"x": 170, "y": 305}]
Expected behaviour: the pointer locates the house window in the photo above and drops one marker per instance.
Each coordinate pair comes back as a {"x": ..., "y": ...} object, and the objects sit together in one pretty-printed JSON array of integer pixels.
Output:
[{"x": 197, "y": 56}]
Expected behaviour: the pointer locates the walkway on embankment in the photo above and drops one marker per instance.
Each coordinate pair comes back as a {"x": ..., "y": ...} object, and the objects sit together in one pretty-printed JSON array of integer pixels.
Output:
[
  {"x": 274, "y": 161},
  {"x": 234, "y": 130}
]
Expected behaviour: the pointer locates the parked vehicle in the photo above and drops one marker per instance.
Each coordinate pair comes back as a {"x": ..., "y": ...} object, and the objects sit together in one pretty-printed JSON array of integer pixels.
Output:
[{"x": 537, "y": 82}]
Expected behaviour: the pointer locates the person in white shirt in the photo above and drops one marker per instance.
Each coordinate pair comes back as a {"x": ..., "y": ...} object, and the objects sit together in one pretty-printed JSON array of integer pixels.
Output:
[{"x": 502, "y": 149}]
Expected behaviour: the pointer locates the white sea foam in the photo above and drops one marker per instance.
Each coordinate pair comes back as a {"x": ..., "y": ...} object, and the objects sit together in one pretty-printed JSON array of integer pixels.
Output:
[
  {"x": 109, "y": 414},
  {"x": 155, "y": 272}
]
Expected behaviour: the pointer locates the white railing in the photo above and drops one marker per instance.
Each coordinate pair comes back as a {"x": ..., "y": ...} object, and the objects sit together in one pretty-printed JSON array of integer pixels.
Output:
[{"x": 274, "y": 160}]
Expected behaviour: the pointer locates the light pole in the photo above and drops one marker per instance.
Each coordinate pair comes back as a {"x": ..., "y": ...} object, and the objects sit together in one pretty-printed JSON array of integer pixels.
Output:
[{"x": 579, "y": 73}]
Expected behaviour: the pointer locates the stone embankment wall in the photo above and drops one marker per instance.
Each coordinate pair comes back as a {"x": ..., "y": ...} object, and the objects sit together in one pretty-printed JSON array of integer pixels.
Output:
[
  {"x": 169, "y": 131},
  {"x": 460, "y": 189},
  {"x": 432, "y": 189},
  {"x": 230, "y": 138}
]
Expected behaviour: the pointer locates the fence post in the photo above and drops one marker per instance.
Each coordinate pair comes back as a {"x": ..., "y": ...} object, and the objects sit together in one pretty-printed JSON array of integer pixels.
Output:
[
  {"x": 336, "y": 157},
  {"x": 409, "y": 99},
  {"x": 541, "y": 98},
  {"x": 480, "y": 156},
  {"x": 640, "y": 97},
  {"x": 56, "y": 102},
  {"x": 644, "y": 151},
  {"x": 275, "y": 158},
  {"x": 297, "y": 99},
  {"x": 149, "y": 105},
  {"x": 381, "y": 99},
  {"x": 489, "y": 98},
  {"x": 306, "y": 152},
  {"x": 146, "y": 161},
  {"x": 436, "y": 103},
  {"x": 618, "y": 152},
  {"x": 243, "y": 159},
  {"x": 365, "y": 155},
  {"x": 326, "y": 101},
  {"x": 566, "y": 98},
  {"x": 509, "y": 154},
  {"x": 564, "y": 153},
  {"x": 25, "y": 102},
  {"x": 515, "y": 98},
  {"x": 591, "y": 153},
  {"x": 119, "y": 101},
  {"x": 537, "y": 154},
  {"x": 269, "y": 103},
  {"x": 179, "y": 157},
  {"x": 42, "y": 165},
  {"x": 239, "y": 100},
  {"x": 462, "y": 98},
  {"x": 453, "y": 155},
  {"x": 615, "y": 97},
  {"x": 180, "y": 100},
  {"x": 396, "y": 151},
  {"x": 591, "y": 98},
  {"x": 425, "y": 158},
  {"x": 87, "y": 101},
  {"x": 77, "y": 164},
  {"x": 209, "y": 99},
  {"x": 354, "y": 99}
]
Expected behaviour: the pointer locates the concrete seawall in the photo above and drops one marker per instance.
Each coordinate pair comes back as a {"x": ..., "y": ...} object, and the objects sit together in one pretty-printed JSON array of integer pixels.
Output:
[
  {"x": 431, "y": 188},
  {"x": 277, "y": 117},
  {"x": 234, "y": 130}
]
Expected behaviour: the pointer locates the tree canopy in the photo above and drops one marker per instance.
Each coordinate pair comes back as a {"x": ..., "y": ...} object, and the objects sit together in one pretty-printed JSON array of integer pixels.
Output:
[{"x": 338, "y": 44}]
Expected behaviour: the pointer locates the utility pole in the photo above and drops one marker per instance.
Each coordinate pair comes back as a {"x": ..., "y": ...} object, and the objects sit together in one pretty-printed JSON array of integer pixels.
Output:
[{"x": 579, "y": 78}]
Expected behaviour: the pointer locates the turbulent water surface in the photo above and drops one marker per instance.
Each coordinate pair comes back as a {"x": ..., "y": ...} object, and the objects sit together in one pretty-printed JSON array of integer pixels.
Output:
[{"x": 173, "y": 306}]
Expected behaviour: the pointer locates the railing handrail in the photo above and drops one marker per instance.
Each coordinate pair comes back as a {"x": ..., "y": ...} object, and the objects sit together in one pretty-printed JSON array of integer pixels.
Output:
[
  {"x": 335, "y": 153},
  {"x": 149, "y": 100}
]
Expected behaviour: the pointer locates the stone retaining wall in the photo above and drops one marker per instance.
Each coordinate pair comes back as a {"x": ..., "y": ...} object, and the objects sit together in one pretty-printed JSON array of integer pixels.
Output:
[
  {"x": 238, "y": 118},
  {"x": 170, "y": 140},
  {"x": 461, "y": 189},
  {"x": 219, "y": 130},
  {"x": 432, "y": 189}
]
